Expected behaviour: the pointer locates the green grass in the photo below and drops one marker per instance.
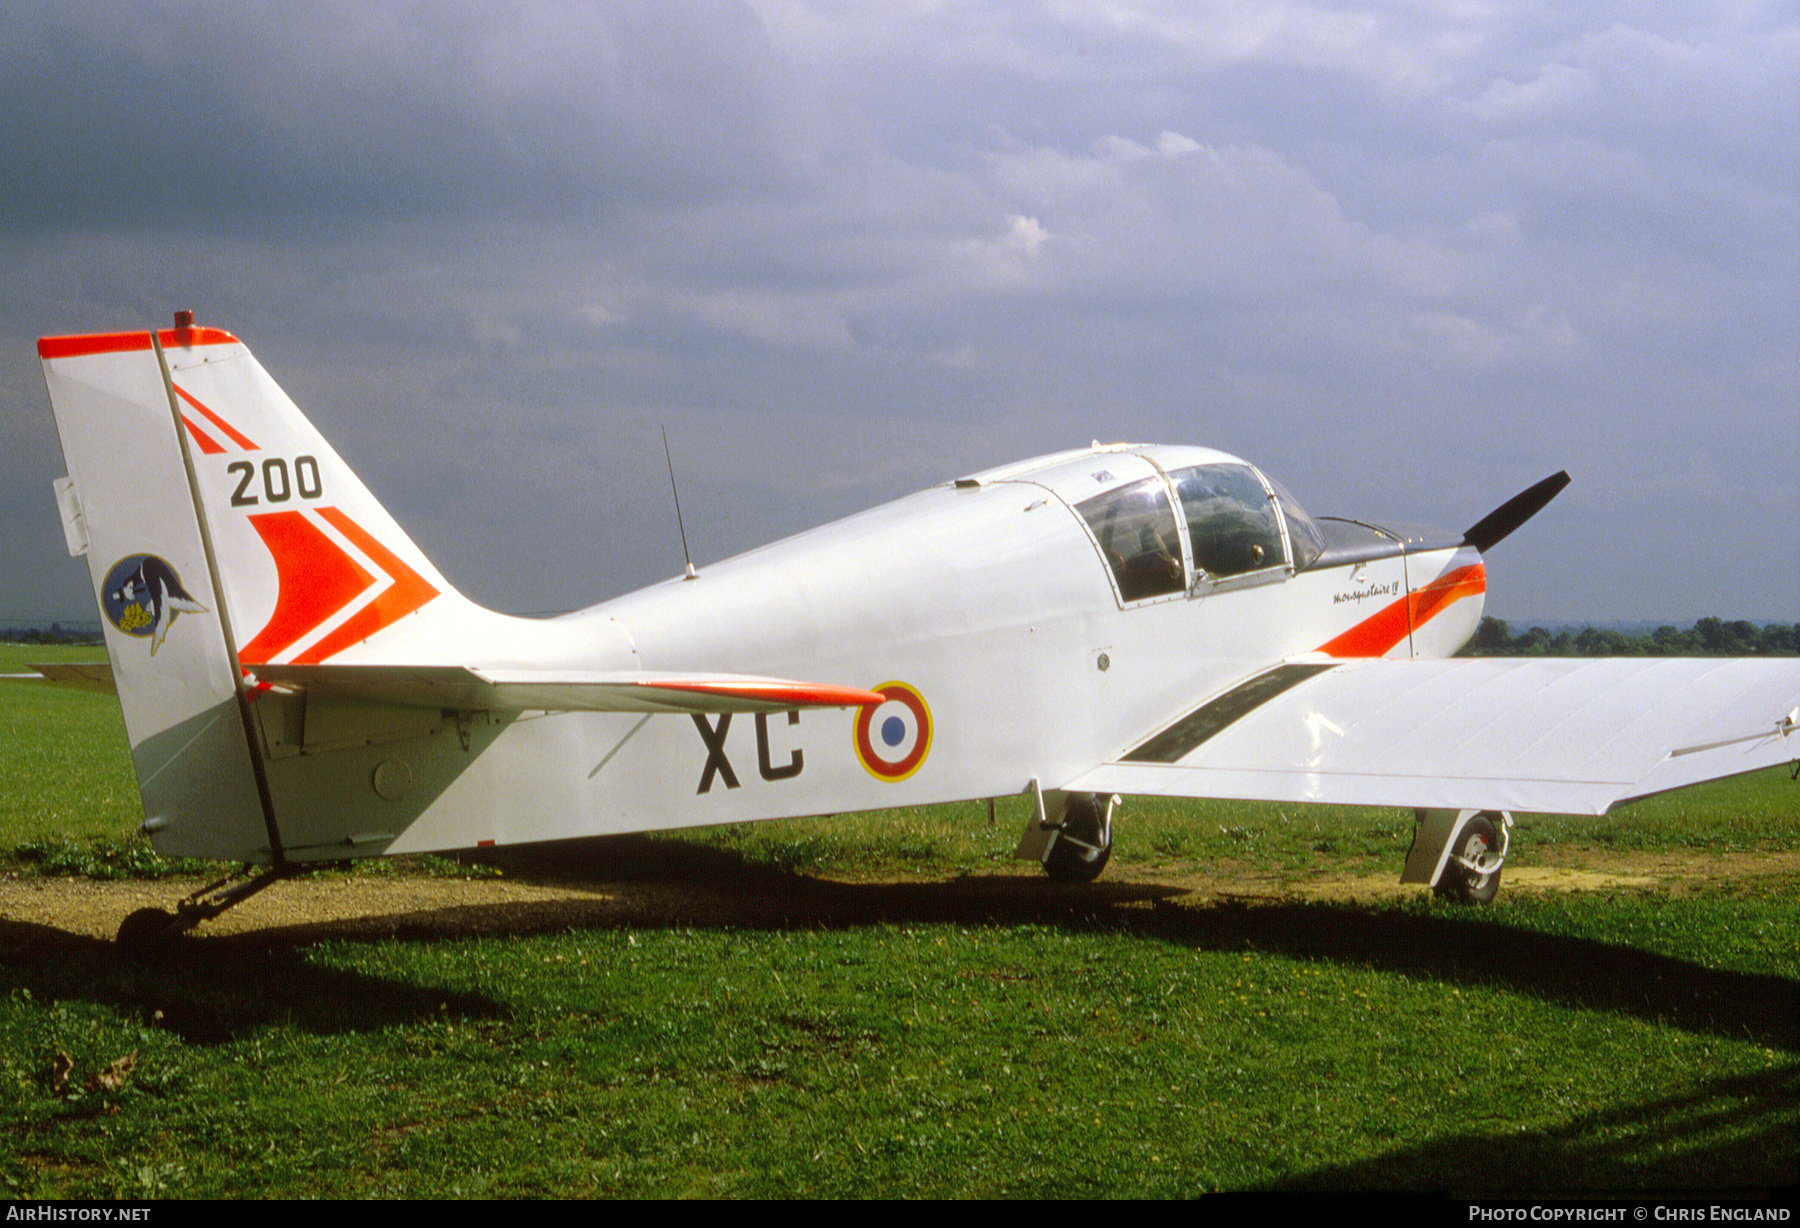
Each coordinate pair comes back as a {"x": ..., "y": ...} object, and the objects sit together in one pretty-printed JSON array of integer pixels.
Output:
[
  {"x": 1245, "y": 1051},
  {"x": 67, "y": 772},
  {"x": 979, "y": 1034}
]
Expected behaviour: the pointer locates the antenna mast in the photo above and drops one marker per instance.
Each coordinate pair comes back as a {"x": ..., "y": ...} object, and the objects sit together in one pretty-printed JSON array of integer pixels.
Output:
[{"x": 686, "y": 557}]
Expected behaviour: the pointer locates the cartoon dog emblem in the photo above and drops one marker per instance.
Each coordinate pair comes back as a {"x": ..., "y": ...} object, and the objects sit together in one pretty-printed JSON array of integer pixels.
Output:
[{"x": 143, "y": 596}]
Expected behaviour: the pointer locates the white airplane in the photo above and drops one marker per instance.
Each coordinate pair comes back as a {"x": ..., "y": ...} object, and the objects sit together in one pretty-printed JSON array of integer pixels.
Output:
[{"x": 301, "y": 685}]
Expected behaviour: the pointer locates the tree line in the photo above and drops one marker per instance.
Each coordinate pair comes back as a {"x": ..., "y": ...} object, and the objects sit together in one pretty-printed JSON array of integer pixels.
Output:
[
  {"x": 55, "y": 634},
  {"x": 1710, "y": 637}
]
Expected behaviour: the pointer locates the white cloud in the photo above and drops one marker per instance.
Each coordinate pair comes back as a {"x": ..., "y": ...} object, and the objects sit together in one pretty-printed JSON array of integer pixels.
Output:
[
  {"x": 1025, "y": 235},
  {"x": 1401, "y": 53},
  {"x": 1556, "y": 92}
]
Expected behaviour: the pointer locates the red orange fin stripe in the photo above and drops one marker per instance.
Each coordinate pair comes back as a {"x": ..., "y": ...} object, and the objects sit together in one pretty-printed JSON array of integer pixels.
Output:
[
  {"x": 206, "y": 443},
  {"x": 229, "y": 431},
  {"x": 82, "y": 344}
]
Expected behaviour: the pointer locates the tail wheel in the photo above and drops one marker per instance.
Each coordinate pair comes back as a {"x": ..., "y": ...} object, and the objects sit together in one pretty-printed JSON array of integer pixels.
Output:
[
  {"x": 1083, "y": 842},
  {"x": 147, "y": 931},
  {"x": 1477, "y": 846}
]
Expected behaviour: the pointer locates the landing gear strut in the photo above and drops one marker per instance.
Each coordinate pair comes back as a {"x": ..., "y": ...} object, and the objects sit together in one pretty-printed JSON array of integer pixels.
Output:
[
  {"x": 1472, "y": 875},
  {"x": 151, "y": 929},
  {"x": 1083, "y": 843},
  {"x": 1459, "y": 853}
]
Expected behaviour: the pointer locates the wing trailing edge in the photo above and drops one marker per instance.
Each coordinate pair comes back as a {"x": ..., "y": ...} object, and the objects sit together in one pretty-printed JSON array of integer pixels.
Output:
[{"x": 96, "y": 676}]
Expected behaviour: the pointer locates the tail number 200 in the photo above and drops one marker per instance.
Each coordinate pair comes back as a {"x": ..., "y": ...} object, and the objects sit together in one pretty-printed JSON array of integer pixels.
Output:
[{"x": 279, "y": 483}]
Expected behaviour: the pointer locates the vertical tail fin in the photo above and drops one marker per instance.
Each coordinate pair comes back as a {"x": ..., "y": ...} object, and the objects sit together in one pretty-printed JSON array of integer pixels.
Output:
[{"x": 179, "y": 442}]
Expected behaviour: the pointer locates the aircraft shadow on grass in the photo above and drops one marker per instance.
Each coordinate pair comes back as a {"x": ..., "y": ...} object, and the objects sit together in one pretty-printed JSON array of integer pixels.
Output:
[
  {"x": 1736, "y": 1131},
  {"x": 234, "y": 982},
  {"x": 215, "y": 992}
]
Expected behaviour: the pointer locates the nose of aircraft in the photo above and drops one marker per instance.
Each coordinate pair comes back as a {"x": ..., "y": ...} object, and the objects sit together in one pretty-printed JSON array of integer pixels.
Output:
[{"x": 1492, "y": 528}]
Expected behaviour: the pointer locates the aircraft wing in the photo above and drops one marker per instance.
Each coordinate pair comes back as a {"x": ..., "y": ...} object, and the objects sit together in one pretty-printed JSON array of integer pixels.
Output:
[
  {"x": 517, "y": 690},
  {"x": 1564, "y": 736}
]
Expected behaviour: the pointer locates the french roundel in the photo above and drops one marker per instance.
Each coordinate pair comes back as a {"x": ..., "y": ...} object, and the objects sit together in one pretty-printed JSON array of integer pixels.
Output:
[{"x": 893, "y": 738}]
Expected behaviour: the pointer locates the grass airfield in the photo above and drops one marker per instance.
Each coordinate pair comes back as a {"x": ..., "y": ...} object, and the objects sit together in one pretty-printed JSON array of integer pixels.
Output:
[{"x": 886, "y": 1005}]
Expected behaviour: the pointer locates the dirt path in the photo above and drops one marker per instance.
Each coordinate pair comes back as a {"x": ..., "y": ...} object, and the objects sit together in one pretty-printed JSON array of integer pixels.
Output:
[{"x": 370, "y": 905}]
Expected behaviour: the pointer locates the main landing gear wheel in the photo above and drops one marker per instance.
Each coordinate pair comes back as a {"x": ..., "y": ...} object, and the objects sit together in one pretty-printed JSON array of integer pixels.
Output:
[
  {"x": 1083, "y": 842},
  {"x": 1466, "y": 876}
]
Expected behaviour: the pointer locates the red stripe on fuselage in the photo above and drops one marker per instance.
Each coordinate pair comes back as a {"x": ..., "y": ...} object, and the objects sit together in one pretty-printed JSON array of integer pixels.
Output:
[
  {"x": 1450, "y": 587},
  {"x": 800, "y": 694},
  {"x": 1376, "y": 635}
]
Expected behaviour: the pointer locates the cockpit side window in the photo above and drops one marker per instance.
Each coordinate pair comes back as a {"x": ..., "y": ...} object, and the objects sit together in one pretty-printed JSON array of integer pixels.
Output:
[
  {"x": 1232, "y": 521},
  {"x": 1135, "y": 527}
]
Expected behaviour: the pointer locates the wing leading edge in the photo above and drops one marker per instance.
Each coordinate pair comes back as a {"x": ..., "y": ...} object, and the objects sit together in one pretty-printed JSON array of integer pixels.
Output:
[{"x": 1551, "y": 735}]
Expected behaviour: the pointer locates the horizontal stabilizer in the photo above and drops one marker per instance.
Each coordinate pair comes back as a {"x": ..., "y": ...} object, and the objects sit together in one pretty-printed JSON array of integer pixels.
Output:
[
  {"x": 96, "y": 676},
  {"x": 533, "y": 690},
  {"x": 515, "y": 690}
]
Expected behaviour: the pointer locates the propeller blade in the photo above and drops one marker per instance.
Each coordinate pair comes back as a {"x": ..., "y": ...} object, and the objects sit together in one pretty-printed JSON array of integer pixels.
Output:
[{"x": 1492, "y": 528}]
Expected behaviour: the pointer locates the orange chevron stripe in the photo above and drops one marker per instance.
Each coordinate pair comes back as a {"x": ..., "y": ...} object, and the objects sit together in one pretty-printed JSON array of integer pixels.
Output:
[
  {"x": 315, "y": 580},
  {"x": 408, "y": 592}
]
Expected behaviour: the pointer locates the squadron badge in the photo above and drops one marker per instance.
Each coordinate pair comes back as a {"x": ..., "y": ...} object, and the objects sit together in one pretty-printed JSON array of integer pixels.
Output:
[{"x": 143, "y": 596}]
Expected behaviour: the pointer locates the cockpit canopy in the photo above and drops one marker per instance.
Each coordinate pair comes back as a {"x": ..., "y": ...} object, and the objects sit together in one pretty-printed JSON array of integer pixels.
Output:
[{"x": 1170, "y": 519}]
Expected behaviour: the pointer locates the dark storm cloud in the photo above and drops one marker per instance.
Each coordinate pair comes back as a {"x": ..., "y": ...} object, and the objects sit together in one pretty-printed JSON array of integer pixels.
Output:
[
  {"x": 163, "y": 114},
  {"x": 1410, "y": 256}
]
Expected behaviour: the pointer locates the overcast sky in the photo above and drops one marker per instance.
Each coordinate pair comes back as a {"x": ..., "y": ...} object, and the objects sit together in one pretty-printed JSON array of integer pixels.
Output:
[{"x": 1406, "y": 257}]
